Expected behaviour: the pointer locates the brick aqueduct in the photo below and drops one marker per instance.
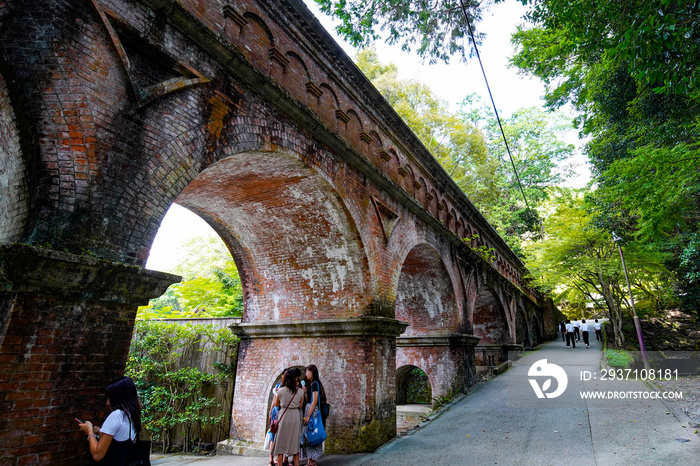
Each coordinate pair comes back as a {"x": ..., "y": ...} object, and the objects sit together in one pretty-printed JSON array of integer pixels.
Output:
[{"x": 346, "y": 232}]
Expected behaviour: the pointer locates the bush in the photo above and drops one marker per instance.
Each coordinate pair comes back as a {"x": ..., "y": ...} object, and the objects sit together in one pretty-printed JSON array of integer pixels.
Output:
[
  {"x": 618, "y": 358},
  {"x": 173, "y": 394}
]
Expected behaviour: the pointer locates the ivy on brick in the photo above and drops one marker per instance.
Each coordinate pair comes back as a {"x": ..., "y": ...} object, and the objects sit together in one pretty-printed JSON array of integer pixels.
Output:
[{"x": 177, "y": 396}]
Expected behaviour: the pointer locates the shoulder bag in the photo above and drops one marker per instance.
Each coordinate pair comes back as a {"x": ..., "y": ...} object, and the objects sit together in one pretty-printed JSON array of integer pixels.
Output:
[{"x": 274, "y": 424}]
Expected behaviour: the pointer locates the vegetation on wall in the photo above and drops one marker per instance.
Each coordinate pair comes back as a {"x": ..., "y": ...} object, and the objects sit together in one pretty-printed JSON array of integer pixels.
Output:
[
  {"x": 176, "y": 396},
  {"x": 211, "y": 285}
]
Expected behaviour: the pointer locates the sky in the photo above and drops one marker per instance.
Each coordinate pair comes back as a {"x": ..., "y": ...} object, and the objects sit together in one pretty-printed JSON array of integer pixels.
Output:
[{"x": 451, "y": 82}]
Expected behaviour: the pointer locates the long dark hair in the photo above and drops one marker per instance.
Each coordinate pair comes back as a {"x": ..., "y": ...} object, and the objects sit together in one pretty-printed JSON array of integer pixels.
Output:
[
  {"x": 289, "y": 380},
  {"x": 122, "y": 394},
  {"x": 314, "y": 374}
]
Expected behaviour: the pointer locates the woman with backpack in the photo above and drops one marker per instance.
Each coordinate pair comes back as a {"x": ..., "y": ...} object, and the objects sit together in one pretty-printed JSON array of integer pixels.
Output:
[{"x": 314, "y": 394}]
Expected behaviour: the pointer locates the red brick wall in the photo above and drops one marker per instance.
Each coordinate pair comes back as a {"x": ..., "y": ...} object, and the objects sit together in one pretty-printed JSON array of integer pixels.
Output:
[
  {"x": 358, "y": 376},
  {"x": 426, "y": 297},
  {"x": 447, "y": 368},
  {"x": 55, "y": 362},
  {"x": 60, "y": 346},
  {"x": 14, "y": 195},
  {"x": 489, "y": 318}
]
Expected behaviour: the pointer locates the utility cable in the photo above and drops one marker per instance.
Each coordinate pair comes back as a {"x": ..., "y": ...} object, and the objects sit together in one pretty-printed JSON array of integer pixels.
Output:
[{"x": 493, "y": 104}]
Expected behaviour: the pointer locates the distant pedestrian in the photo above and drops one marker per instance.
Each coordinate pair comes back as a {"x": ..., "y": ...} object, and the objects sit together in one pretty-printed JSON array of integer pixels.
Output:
[
  {"x": 584, "y": 333},
  {"x": 289, "y": 399},
  {"x": 314, "y": 394},
  {"x": 562, "y": 329},
  {"x": 577, "y": 331},
  {"x": 598, "y": 331},
  {"x": 570, "y": 340}
]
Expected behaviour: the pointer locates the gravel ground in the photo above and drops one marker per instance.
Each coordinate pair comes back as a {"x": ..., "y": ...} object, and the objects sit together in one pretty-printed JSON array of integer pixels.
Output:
[{"x": 690, "y": 403}]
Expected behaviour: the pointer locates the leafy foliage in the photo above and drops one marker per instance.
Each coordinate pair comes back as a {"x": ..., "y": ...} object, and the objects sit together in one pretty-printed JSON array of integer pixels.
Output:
[
  {"x": 474, "y": 156},
  {"x": 630, "y": 69},
  {"x": 211, "y": 285},
  {"x": 618, "y": 358},
  {"x": 175, "y": 396},
  {"x": 578, "y": 262},
  {"x": 433, "y": 30}
]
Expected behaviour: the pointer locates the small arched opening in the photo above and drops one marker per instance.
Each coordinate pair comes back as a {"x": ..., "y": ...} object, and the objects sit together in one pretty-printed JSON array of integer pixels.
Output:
[{"x": 413, "y": 397}]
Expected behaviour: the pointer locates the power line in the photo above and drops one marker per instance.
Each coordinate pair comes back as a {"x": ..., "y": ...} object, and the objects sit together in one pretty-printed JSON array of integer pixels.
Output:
[{"x": 493, "y": 104}]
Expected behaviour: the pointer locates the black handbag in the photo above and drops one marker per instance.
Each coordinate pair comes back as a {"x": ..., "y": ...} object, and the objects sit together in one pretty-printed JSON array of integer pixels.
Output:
[{"x": 140, "y": 454}]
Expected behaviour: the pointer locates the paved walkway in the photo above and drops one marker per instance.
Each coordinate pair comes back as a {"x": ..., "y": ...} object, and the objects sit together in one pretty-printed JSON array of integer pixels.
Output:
[{"x": 503, "y": 422}]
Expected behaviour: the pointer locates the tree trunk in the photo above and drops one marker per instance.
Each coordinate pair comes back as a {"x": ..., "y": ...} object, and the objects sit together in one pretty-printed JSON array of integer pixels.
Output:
[{"x": 614, "y": 313}]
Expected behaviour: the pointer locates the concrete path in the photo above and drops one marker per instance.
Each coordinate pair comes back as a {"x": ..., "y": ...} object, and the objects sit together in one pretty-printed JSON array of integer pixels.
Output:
[{"x": 503, "y": 422}]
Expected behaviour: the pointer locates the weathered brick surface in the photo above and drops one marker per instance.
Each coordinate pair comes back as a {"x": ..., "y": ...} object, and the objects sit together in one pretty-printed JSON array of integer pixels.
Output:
[
  {"x": 247, "y": 113},
  {"x": 59, "y": 347},
  {"x": 448, "y": 369},
  {"x": 14, "y": 192},
  {"x": 426, "y": 297},
  {"x": 358, "y": 375}
]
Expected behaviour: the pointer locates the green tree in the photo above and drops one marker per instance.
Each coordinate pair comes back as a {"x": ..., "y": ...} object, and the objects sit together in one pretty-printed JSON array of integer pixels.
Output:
[
  {"x": 541, "y": 158},
  {"x": 630, "y": 69},
  {"x": 468, "y": 144},
  {"x": 175, "y": 396},
  {"x": 455, "y": 142},
  {"x": 211, "y": 285},
  {"x": 578, "y": 261},
  {"x": 434, "y": 30}
]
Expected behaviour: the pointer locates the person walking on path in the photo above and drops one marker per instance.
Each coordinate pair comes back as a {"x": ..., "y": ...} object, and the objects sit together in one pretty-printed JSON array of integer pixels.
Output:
[
  {"x": 562, "y": 328},
  {"x": 314, "y": 393},
  {"x": 289, "y": 423},
  {"x": 577, "y": 331},
  {"x": 584, "y": 333},
  {"x": 570, "y": 340},
  {"x": 598, "y": 331}
]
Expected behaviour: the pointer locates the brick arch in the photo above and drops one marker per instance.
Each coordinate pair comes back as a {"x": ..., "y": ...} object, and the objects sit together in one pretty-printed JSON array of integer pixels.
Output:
[
  {"x": 297, "y": 73},
  {"x": 402, "y": 374},
  {"x": 328, "y": 104},
  {"x": 425, "y": 294},
  {"x": 489, "y": 317},
  {"x": 257, "y": 35},
  {"x": 270, "y": 204},
  {"x": 14, "y": 189}
]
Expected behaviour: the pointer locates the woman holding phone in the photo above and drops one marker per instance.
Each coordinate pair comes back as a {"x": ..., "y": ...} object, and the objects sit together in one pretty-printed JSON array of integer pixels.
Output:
[{"x": 121, "y": 428}]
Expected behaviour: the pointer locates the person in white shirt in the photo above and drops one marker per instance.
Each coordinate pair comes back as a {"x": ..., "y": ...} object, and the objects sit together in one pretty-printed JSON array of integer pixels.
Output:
[
  {"x": 570, "y": 340},
  {"x": 121, "y": 428},
  {"x": 577, "y": 332},
  {"x": 584, "y": 333},
  {"x": 598, "y": 331}
]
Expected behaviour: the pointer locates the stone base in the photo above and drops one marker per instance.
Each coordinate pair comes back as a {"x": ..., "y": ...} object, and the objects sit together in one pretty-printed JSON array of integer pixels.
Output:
[
  {"x": 409, "y": 416},
  {"x": 240, "y": 448},
  {"x": 499, "y": 369}
]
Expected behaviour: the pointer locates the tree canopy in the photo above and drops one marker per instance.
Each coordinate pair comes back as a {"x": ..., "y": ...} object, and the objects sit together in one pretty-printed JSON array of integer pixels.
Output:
[
  {"x": 433, "y": 30},
  {"x": 211, "y": 286},
  {"x": 469, "y": 146},
  {"x": 630, "y": 69}
]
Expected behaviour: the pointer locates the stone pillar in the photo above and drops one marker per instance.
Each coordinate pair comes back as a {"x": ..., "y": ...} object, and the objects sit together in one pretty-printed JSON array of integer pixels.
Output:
[
  {"x": 65, "y": 327},
  {"x": 448, "y": 361},
  {"x": 356, "y": 358}
]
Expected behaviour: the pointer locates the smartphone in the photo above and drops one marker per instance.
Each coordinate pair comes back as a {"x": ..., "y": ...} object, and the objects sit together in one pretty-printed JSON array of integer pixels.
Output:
[{"x": 79, "y": 421}]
